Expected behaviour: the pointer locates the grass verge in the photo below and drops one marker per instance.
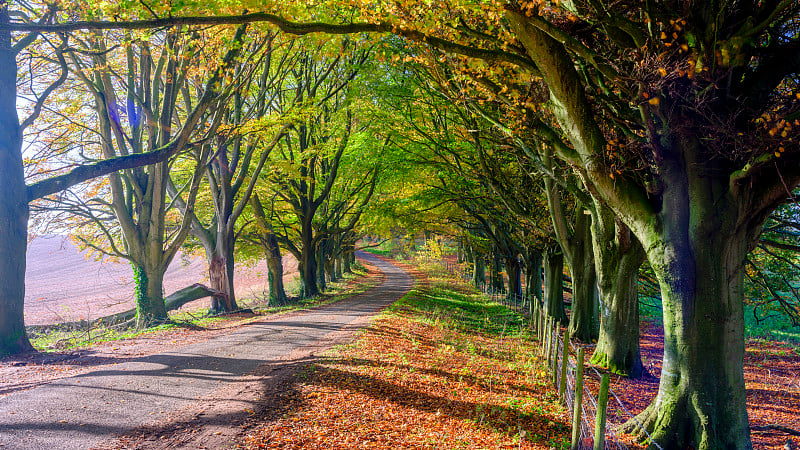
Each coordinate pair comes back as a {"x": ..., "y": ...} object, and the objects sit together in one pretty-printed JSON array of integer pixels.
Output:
[
  {"x": 59, "y": 338},
  {"x": 441, "y": 368}
]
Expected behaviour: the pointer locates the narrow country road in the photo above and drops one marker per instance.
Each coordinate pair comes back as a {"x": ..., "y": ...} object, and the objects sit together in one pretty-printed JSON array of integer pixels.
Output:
[{"x": 89, "y": 410}]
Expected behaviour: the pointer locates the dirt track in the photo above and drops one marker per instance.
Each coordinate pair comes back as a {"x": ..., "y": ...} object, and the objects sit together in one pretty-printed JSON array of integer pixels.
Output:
[
  {"x": 204, "y": 385},
  {"x": 62, "y": 285}
]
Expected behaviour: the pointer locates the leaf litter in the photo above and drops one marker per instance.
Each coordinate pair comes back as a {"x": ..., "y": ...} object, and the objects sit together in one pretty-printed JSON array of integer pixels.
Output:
[{"x": 436, "y": 370}]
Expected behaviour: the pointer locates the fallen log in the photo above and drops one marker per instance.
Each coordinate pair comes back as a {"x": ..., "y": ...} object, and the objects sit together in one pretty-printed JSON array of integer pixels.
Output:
[{"x": 172, "y": 301}]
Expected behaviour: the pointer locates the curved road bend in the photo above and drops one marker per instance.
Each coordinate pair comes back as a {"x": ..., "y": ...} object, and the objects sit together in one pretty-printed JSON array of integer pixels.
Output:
[{"x": 85, "y": 411}]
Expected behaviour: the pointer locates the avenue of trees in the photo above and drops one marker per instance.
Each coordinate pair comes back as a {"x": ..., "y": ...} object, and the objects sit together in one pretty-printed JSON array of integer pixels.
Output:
[{"x": 601, "y": 144}]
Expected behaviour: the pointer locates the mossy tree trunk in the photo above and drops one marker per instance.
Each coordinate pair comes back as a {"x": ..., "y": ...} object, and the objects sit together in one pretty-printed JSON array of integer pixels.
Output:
[
  {"x": 277, "y": 293},
  {"x": 584, "y": 322},
  {"x": 338, "y": 257},
  {"x": 346, "y": 260},
  {"x": 478, "y": 270},
  {"x": 575, "y": 241},
  {"x": 148, "y": 295},
  {"x": 618, "y": 256},
  {"x": 307, "y": 262},
  {"x": 696, "y": 219},
  {"x": 495, "y": 275},
  {"x": 701, "y": 396},
  {"x": 320, "y": 264}
]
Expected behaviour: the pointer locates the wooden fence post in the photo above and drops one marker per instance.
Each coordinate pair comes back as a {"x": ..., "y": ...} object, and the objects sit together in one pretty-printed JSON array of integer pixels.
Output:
[
  {"x": 555, "y": 355},
  {"x": 545, "y": 341},
  {"x": 539, "y": 325},
  {"x": 562, "y": 388},
  {"x": 600, "y": 420},
  {"x": 530, "y": 303},
  {"x": 544, "y": 325},
  {"x": 544, "y": 335},
  {"x": 577, "y": 405},
  {"x": 549, "y": 331}
]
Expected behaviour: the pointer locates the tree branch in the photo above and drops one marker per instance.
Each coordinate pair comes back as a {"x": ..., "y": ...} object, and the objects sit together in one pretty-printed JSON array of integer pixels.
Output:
[
  {"x": 286, "y": 26},
  {"x": 87, "y": 172}
]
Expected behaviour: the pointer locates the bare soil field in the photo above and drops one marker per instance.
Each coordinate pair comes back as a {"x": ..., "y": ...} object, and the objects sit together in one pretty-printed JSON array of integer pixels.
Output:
[{"x": 64, "y": 284}]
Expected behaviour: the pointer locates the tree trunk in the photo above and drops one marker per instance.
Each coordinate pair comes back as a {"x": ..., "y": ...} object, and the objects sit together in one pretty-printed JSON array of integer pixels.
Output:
[
  {"x": 308, "y": 264},
  {"x": 697, "y": 249},
  {"x": 514, "y": 279},
  {"x": 701, "y": 396},
  {"x": 618, "y": 256},
  {"x": 220, "y": 271},
  {"x": 554, "y": 286},
  {"x": 329, "y": 255},
  {"x": 330, "y": 269},
  {"x": 320, "y": 255},
  {"x": 584, "y": 323},
  {"x": 277, "y": 293},
  {"x": 221, "y": 266},
  {"x": 533, "y": 275},
  {"x": 337, "y": 266},
  {"x": 13, "y": 206},
  {"x": 479, "y": 270},
  {"x": 308, "y": 275},
  {"x": 496, "y": 278},
  {"x": 149, "y": 296},
  {"x": 346, "y": 267}
]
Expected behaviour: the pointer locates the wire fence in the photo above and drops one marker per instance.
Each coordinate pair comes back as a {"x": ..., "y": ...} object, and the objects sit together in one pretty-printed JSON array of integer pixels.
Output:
[{"x": 566, "y": 374}]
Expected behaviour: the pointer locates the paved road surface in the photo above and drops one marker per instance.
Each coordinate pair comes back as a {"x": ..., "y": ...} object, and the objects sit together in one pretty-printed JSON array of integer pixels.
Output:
[{"x": 84, "y": 411}]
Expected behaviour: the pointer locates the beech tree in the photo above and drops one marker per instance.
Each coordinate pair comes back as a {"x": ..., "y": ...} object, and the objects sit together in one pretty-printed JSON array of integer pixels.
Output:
[
  {"x": 252, "y": 128},
  {"x": 682, "y": 118},
  {"x": 132, "y": 215},
  {"x": 14, "y": 202},
  {"x": 310, "y": 153},
  {"x": 699, "y": 205},
  {"x": 272, "y": 250}
]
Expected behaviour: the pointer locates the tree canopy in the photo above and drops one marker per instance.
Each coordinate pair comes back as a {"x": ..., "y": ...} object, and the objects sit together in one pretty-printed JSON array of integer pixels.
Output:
[{"x": 665, "y": 131}]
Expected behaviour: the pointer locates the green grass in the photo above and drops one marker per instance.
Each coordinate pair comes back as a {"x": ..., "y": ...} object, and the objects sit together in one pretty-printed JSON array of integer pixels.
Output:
[
  {"x": 775, "y": 327},
  {"x": 457, "y": 306},
  {"x": 59, "y": 338},
  {"x": 386, "y": 248}
]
